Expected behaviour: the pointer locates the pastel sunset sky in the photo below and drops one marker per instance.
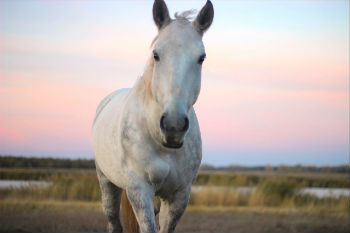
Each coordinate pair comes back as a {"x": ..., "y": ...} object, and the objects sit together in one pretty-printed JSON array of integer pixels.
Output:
[{"x": 275, "y": 84}]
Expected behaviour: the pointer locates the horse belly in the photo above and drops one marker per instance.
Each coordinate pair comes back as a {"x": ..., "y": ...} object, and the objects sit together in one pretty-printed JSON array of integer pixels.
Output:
[{"x": 105, "y": 137}]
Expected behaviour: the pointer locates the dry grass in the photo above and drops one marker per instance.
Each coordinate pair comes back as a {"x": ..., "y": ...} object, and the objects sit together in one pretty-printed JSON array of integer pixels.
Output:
[
  {"x": 73, "y": 185},
  {"x": 271, "y": 191},
  {"x": 214, "y": 197},
  {"x": 72, "y": 204},
  {"x": 228, "y": 197}
]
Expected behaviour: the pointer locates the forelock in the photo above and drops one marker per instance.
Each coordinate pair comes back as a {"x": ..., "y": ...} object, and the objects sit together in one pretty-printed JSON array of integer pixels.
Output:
[{"x": 185, "y": 15}]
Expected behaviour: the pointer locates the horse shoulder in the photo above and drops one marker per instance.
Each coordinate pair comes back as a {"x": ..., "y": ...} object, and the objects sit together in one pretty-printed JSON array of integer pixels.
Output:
[{"x": 105, "y": 138}]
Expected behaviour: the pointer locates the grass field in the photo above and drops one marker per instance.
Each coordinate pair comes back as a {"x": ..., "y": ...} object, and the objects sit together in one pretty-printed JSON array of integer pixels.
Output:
[{"x": 72, "y": 203}]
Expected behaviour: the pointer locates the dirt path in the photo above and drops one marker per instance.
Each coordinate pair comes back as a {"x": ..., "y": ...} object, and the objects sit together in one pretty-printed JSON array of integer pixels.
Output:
[
  {"x": 56, "y": 216},
  {"x": 34, "y": 219}
]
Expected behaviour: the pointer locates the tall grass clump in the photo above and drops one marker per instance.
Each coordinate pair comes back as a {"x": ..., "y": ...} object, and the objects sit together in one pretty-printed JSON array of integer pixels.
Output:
[
  {"x": 80, "y": 185},
  {"x": 215, "y": 197},
  {"x": 81, "y": 188},
  {"x": 274, "y": 192}
]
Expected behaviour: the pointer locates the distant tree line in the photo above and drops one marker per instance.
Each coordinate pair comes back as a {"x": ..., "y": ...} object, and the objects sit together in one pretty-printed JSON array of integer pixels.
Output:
[
  {"x": 280, "y": 168},
  {"x": 34, "y": 162}
]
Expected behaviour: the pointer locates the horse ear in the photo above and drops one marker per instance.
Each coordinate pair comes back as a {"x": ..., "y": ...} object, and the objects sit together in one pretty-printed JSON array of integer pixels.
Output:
[
  {"x": 204, "y": 18},
  {"x": 160, "y": 14}
]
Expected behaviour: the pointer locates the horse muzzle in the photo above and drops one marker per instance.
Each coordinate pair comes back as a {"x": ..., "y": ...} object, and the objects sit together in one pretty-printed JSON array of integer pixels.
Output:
[
  {"x": 172, "y": 144},
  {"x": 173, "y": 130}
]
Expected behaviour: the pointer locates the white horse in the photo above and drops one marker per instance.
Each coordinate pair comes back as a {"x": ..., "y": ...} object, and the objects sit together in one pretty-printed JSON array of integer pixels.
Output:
[{"x": 146, "y": 140}]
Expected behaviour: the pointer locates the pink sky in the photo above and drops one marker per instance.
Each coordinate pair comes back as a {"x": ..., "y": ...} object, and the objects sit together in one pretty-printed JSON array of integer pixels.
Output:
[{"x": 275, "y": 85}]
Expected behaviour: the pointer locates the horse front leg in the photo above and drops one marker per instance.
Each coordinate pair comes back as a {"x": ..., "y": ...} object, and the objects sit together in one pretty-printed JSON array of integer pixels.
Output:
[
  {"x": 172, "y": 209},
  {"x": 140, "y": 195},
  {"x": 111, "y": 195}
]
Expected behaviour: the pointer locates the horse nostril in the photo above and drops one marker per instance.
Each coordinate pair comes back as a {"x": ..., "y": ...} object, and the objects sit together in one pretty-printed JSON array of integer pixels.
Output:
[
  {"x": 186, "y": 125},
  {"x": 162, "y": 127},
  {"x": 171, "y": 127}
]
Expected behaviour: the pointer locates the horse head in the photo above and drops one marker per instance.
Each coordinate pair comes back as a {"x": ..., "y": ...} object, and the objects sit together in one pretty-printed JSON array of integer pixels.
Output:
[{"x": 178, "y": 53}]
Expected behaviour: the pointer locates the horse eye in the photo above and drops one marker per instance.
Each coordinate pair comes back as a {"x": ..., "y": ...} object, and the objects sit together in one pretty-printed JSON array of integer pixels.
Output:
[
  {"x": 156, "y": 56},
  {"x": 201, "y": 59}
]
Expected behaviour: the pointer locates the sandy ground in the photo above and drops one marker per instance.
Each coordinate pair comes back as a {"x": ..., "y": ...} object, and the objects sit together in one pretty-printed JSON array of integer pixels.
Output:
[
  {"x": 16, "y": 219},
  {"x": 259, "y": 222}
]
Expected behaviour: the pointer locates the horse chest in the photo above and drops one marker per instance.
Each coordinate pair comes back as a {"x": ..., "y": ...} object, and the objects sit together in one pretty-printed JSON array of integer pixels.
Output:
[
  {"x": 164, "y": 175},
  {"x": 157, "y": 171}
]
